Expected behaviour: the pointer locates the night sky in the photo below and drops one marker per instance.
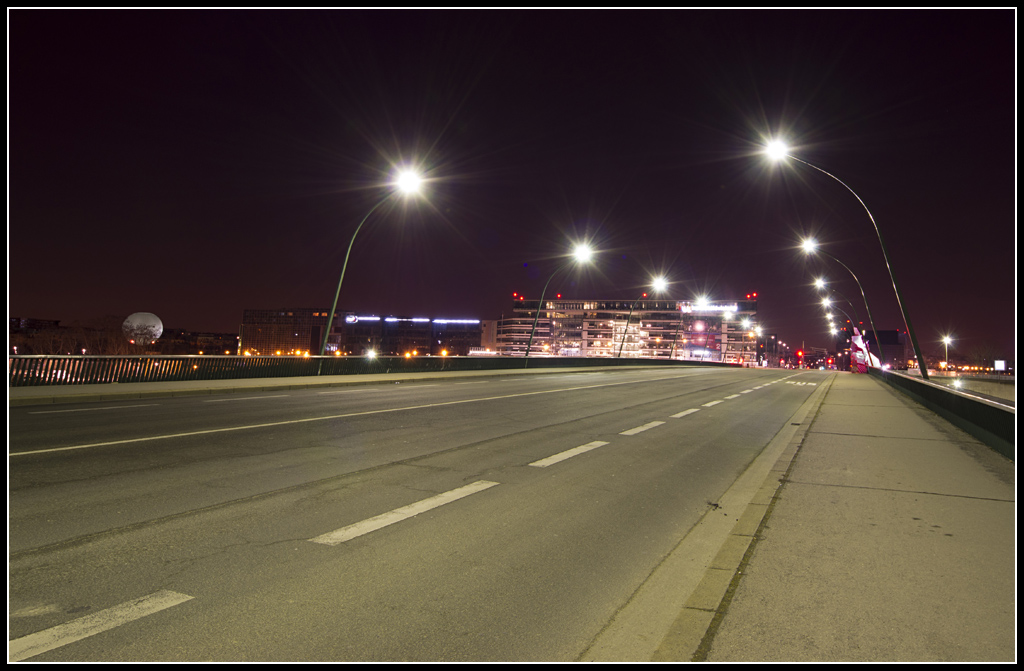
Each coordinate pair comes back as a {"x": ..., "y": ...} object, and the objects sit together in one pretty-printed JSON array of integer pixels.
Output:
[{"x": 194, "y": 164}]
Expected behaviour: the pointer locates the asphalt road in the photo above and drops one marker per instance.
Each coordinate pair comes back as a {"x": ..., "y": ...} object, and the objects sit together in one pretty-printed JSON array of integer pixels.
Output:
[{"x": 504, "y": 519}]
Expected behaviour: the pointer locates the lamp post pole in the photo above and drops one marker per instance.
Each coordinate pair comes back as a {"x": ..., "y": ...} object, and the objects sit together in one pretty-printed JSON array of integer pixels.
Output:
[
  {"x": 536, "y": 316},
  {"x": 408, "y": 182},
  {"x": 811, "y": 247},
  {"x": 658, "y": 284},
  {"x": 778, "y": 150},
  {"x": 581, "y": 254},
  {"x": 337, "y": 292}
]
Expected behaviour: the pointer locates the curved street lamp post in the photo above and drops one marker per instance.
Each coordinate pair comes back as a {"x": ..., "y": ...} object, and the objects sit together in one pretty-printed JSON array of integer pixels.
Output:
[
  {"x": 777, "y": 151},
  {"x": 408, "y": 183},
  {"x": 582, "y": 254},
  {"x": 811, "y": 247},
  {"x": 658, "y": 284}
]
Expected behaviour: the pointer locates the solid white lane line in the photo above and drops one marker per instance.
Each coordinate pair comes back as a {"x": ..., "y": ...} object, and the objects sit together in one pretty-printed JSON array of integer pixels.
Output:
[
  {"x": 243, "y": 398},
  {"x": 110, "y": 407},
  {"x": 684, "y": 413},
  {"x": 329, "y": 417},
  {"x": 562, "y": 456},
  {"x": 83, "y": 627},
  {"x": 708, "y": 405},
  {"x": 638, "y": 429},
  {"x": 397, "y": 515}
]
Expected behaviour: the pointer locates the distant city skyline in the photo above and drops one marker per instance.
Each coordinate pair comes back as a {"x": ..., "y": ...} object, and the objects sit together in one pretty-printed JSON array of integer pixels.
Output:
[{"x": 196, "y": 163}]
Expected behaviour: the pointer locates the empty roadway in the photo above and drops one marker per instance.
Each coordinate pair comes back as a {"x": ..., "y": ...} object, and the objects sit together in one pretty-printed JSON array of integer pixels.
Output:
[{"x": 500, "y": 518}]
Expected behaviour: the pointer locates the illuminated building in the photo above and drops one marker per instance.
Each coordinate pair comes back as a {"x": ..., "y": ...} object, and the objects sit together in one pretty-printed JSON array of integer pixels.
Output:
[
  {"x": 397, "y": 336},
  {"x": 297, "y": 331},
  {"x": 692, "y": 330}
]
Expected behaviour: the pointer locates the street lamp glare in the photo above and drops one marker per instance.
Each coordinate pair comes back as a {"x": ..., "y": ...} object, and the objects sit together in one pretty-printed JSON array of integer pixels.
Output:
[
  {"x": 408, "y": 181},
  {"x": 583, "y": 253},
  {"x": 659, "y": 284},
  {"x": 810, "y": 245},
  {"x": 776, "y": 150}
]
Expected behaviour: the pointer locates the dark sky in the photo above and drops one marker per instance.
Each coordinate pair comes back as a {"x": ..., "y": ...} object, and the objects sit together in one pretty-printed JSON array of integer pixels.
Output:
[{"x": 196, "y": 163}]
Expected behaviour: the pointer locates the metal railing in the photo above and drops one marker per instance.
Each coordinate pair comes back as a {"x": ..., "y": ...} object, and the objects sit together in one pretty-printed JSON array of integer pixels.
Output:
[{"x": 41, "y": 370}]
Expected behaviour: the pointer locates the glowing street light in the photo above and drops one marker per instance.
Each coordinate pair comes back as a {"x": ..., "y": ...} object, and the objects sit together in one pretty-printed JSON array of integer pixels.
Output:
[
  {"x": 777, "y": 151},
  {"x": 822, "y": 285},
  {"x": 810, "y": 246},
  {"x": 581, "y": 254},
  {"x": 945, "y": 341},
  {"x": 658, "y": 284},
  {"x": 407, "y": 182}
]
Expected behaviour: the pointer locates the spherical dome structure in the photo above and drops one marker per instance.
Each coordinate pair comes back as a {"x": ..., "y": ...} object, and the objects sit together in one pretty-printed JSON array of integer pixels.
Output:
[{"x": 142, "y": 328}]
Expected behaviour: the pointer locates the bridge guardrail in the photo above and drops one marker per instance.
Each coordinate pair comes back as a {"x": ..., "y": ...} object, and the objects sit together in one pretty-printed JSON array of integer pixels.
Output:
[
  {"x": 991, "y": 422},
  {"x": 42, "y": 370}
]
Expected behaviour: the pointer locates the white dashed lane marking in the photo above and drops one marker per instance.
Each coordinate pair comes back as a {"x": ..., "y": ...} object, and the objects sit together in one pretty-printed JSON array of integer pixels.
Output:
[
  {"x": 562, "y": 456},
  {"x": 639, "y": 429},
  {"x": 83, "y": 627},
  {"x": 380, "y": 521}
]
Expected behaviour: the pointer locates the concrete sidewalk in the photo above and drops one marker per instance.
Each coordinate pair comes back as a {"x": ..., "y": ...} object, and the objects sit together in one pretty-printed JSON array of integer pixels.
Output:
[{"x": 892, "y": 538}]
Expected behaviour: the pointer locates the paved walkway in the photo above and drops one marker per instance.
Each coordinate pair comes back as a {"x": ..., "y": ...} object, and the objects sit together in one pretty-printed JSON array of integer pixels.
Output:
[{"x": 892, "y": 538}]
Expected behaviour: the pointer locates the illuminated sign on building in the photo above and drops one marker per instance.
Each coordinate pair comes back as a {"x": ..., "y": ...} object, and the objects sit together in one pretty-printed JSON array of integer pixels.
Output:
[{"x": 688, "y": 307}]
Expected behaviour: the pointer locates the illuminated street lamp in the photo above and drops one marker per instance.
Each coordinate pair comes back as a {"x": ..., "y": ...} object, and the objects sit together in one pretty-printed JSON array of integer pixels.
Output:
[
  {"x": 581, "y": 254},
  {"x": 822, "y": 285},
  {"x": 945, "y": 341},
  {"x": 658, "y": 284},
  {"x": 777, "y": 151},
  {"x": 407, "y": 182},
  {"x": 810, "y": 246}
]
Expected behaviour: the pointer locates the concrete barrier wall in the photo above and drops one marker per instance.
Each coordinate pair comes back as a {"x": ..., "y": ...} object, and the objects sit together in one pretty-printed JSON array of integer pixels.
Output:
[{"x": 993, "y": 423}]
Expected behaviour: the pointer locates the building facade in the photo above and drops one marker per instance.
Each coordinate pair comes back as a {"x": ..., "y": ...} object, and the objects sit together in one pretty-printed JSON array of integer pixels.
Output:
[
  {"x": 722, "y": 331},
  {"x": 299, "y": 331},
  {"x": 399, "y": 336},
  {"x": 281, "y": 331}
]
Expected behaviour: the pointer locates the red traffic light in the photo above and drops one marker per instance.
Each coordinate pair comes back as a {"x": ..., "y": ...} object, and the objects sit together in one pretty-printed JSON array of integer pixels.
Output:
[{"x": 799, "y": 352}]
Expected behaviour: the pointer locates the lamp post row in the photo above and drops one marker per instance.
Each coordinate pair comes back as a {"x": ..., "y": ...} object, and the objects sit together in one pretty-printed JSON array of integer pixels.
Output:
[{"x": 409, "y": 182}]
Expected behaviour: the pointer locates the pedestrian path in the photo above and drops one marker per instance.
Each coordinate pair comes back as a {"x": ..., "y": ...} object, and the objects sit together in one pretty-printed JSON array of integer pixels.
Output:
[{"x": 892, "y": 538}]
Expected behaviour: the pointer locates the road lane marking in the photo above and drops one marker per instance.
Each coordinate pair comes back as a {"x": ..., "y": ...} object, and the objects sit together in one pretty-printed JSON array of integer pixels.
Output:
[
  {"x": 244, "y": 398},
  {"x": 562, "y": 456},
  {"x": 684, "y": 413},
  {"x": 397, "y": 515},
  {"x": 330, "y": 417},
  {"x": 708, "y": 405},
  {"x": 733, "y": 396},
  {"x": 83, "y": 627},
  {"x": 746, "y": 391},
  {"x": 639, "y": 429},
  {"x": 110, "y": 407}
]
